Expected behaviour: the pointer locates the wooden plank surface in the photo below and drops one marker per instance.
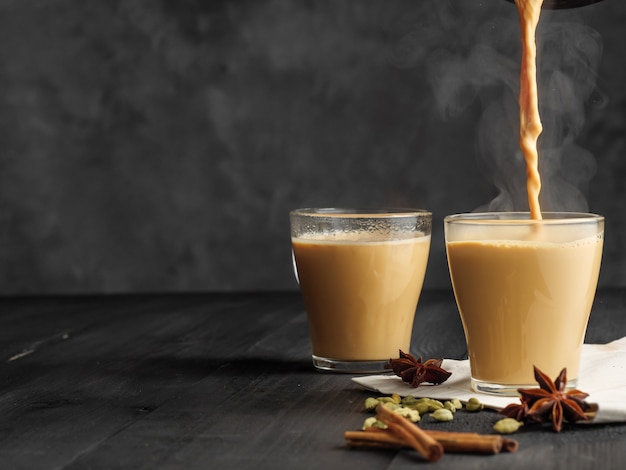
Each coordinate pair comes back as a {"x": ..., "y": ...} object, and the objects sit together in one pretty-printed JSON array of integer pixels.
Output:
[{"x": 198, "y": 381}]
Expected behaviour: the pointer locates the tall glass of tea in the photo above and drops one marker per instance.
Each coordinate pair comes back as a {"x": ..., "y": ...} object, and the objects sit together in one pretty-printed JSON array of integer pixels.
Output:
[
  {"x": 360, "y": 273},
  {"x": 524, "y": 289}
]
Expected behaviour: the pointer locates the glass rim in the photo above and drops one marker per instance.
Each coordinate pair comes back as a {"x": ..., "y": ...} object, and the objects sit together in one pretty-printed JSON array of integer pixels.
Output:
[
  {"x": 522, "y": 218},
  {"x": 374, "y": 212}
]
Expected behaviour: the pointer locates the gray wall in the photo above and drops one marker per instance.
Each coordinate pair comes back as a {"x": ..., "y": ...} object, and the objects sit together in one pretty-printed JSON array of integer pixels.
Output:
[{"x": 158, "y": 146}]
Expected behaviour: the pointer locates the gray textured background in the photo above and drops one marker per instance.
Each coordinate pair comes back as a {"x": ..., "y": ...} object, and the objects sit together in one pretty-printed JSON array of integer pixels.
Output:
[{"x": 159, "y": 145}]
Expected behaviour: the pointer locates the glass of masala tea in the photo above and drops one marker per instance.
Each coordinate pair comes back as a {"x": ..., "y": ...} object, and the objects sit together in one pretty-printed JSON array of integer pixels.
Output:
[
  {"x": 360, "y": 273},
  {"x": 524, "y": 288}
]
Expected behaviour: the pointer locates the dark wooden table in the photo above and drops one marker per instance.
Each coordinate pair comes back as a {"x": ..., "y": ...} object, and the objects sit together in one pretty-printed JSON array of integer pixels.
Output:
[{"x": 225, "y": 381}]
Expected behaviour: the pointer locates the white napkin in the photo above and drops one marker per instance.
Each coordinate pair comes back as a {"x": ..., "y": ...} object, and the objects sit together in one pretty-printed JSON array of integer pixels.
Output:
[{"x": 602, "y": 376}]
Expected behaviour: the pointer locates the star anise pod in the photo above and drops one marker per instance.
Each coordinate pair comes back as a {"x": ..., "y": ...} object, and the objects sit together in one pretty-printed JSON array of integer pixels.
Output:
[
  {"x": 549, "y": 402},
  {"x": 414, "y": 371},
  {"x": 517, "y": 411}
]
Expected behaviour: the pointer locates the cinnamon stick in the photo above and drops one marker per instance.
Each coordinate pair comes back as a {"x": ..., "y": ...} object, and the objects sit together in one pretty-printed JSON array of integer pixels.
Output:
[
  {"x": 454, "y": 442},
  {"x": 468, "y": 442},
  {"x": 411, "y": 434},
  {"x": 509, "y": 445},
  {"x": 382, "y": 439}
]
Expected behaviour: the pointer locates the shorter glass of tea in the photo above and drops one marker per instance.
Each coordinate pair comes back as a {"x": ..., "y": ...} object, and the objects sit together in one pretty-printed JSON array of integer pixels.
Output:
[
  {"x": 524, "y": 289},
  {"x": 360, "y": 273}
]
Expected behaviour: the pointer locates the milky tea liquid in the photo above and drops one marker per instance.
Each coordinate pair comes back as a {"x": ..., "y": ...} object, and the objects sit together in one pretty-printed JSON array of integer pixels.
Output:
[
  {"x": 360, "y": 296},
  {"x": 524, "y": 297}
]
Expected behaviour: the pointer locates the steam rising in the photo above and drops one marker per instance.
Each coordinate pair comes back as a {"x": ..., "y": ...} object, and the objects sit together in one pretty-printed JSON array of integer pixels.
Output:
[{"x": 472, "y": 52}]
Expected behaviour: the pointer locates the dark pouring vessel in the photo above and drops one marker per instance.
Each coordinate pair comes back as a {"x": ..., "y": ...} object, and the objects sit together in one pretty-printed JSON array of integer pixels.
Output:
[{"x": 564, "y": 4}]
